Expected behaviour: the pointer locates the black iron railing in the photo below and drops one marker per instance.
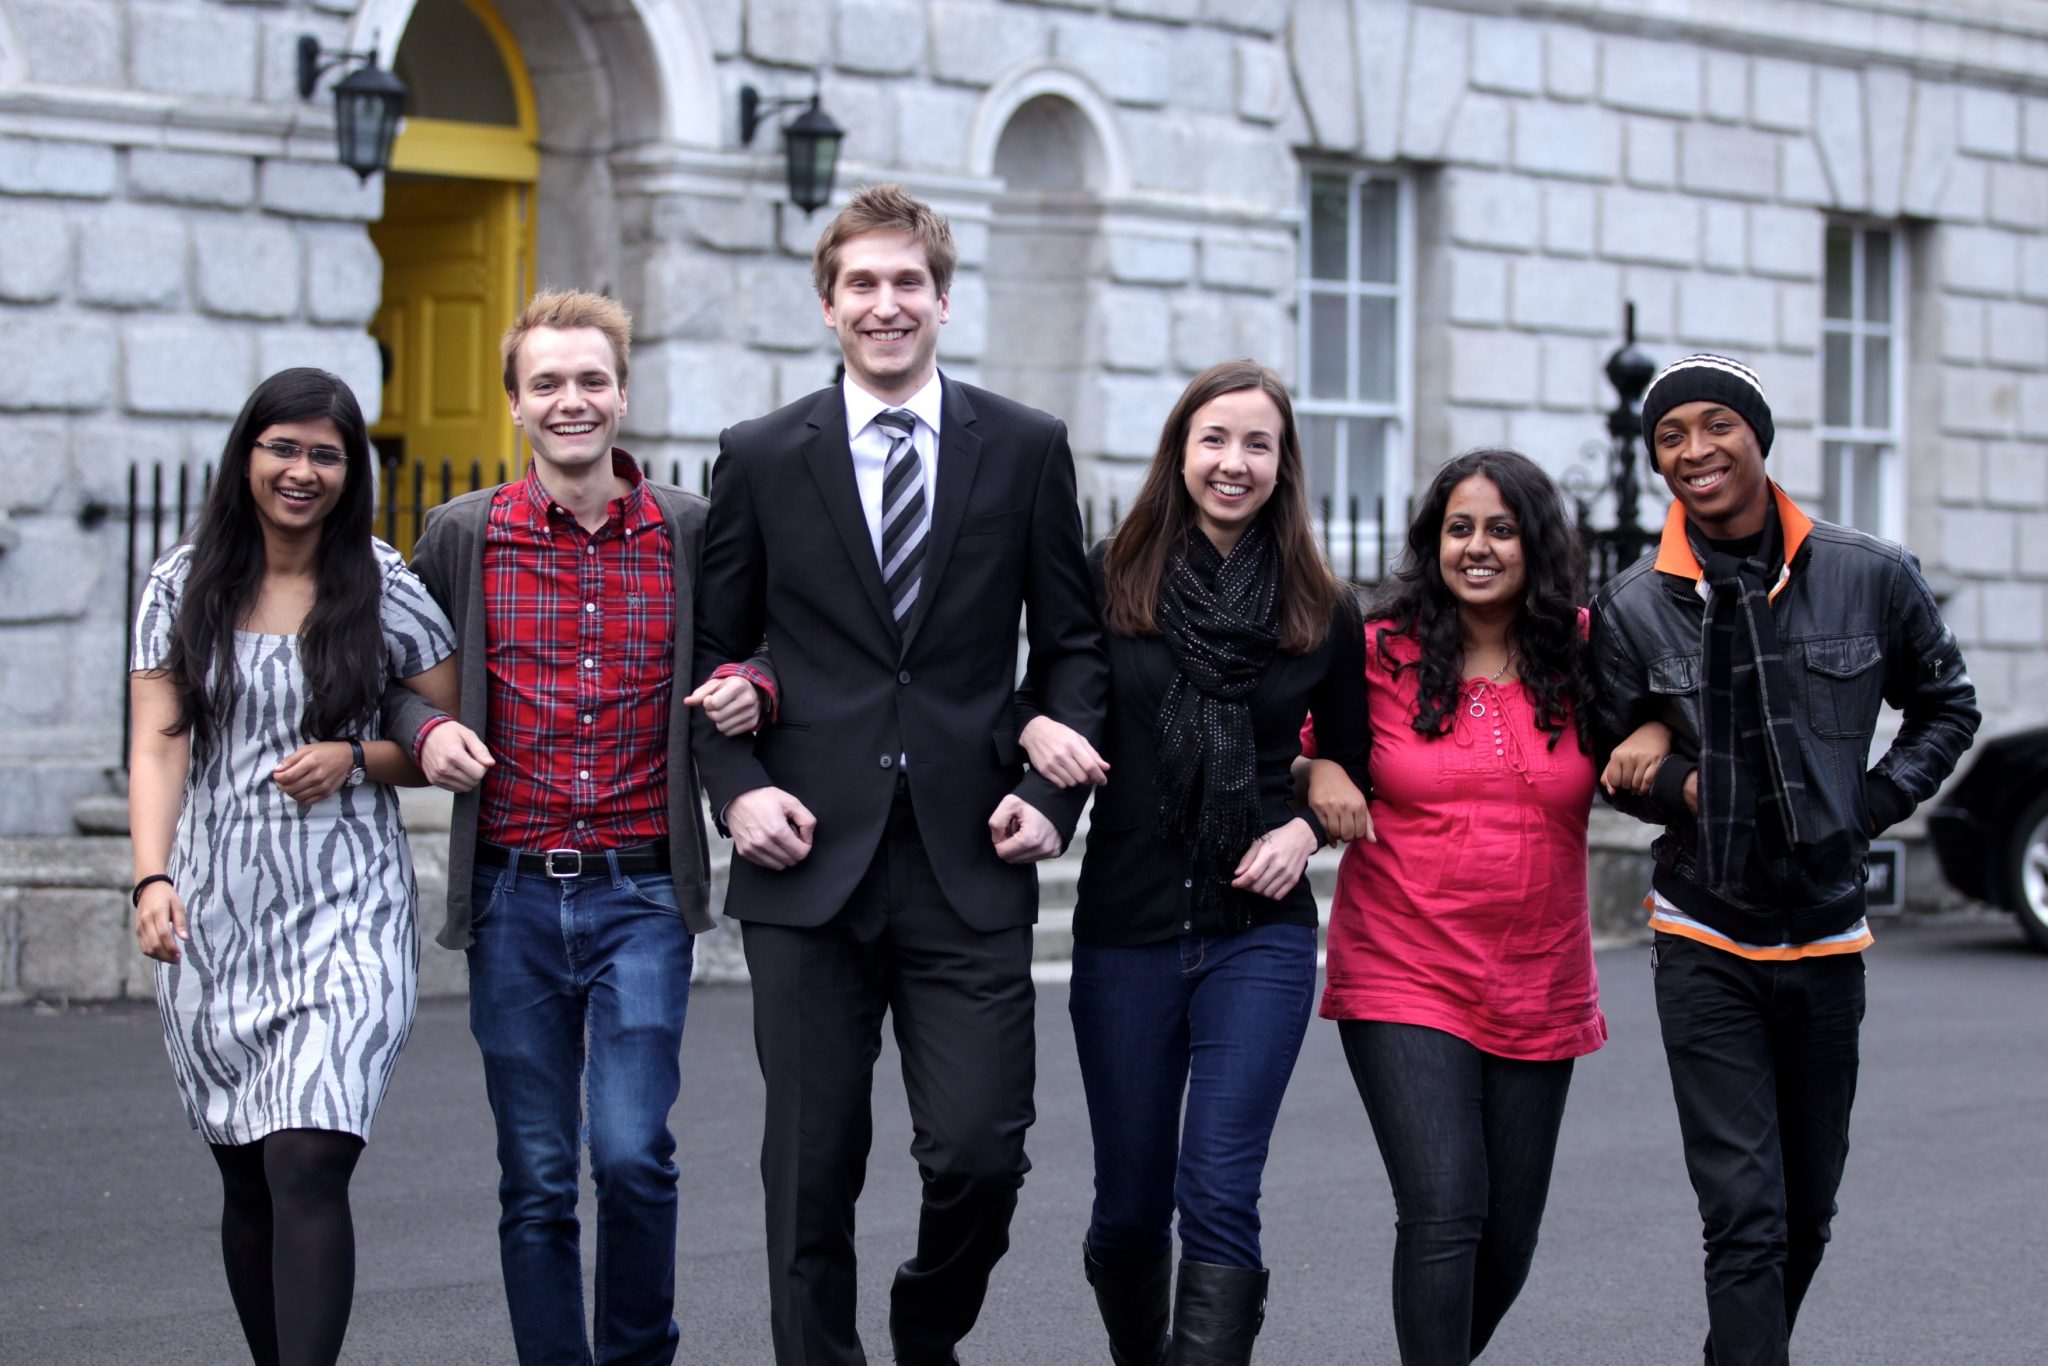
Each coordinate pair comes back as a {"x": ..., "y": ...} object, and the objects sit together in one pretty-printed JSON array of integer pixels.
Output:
[{"x": 164, "y": 501}]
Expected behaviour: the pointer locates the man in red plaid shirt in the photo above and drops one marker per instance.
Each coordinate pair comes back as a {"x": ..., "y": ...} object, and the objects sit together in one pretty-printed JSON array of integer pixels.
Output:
[{"x": 578, "y": 865}]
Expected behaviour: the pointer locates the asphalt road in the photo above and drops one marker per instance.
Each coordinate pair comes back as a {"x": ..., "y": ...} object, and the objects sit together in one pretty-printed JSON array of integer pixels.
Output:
[{"x": 108, "y": 1206}]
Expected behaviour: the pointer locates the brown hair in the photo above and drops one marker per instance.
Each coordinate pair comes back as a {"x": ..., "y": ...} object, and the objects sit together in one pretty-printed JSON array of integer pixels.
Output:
[
  {"x": 1164, "y": 514},
  {"x": 566, "y": 308},
  {"x": 880, "y": 207}
]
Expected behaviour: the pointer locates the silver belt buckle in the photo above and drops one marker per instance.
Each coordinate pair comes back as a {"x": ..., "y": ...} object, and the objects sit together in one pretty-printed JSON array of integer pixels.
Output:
[{"x": 575, "y": 868}]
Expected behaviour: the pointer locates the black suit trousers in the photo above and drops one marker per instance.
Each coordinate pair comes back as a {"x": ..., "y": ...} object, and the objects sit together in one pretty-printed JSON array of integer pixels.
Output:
[{"x": 962, "y": 1004}]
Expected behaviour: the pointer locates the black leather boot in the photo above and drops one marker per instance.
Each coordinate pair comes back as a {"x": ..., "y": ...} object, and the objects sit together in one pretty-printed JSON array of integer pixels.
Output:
[
  {"x": 1133, "y": 1302},
  {"x": 1217, "y": 1313}
]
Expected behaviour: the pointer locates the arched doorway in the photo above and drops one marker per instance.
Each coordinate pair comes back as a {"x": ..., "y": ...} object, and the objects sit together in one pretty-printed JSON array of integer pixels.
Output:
[
  {"x": 1047, "y": 136},
  {"x": 458, "y": 239},
  {"x": 1042, "y": 257}
]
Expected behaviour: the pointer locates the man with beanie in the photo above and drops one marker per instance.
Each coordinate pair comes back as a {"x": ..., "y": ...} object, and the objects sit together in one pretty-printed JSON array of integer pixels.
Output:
[{"x": 1768, "y": 642}]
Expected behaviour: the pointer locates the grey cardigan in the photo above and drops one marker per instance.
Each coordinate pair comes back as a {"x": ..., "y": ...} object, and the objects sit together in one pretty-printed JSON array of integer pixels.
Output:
[{"x": 450, "y": 560}]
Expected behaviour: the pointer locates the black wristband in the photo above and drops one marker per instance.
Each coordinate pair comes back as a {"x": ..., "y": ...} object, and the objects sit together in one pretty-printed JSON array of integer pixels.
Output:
[{"x": 135, "y": 896}]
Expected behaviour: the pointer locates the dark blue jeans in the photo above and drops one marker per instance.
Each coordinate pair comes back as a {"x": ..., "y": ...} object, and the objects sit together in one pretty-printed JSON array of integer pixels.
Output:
[
  {"x": 575, "y": 982},
  {"x": 1468, "y": 1139},
  {"x": 1221, "y": 1019},
  {"x": 1763, "y": 1061}
]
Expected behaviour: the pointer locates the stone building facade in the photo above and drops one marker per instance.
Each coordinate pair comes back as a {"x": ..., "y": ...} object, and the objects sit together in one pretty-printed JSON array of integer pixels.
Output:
[{"x": 1429, "y": 215}]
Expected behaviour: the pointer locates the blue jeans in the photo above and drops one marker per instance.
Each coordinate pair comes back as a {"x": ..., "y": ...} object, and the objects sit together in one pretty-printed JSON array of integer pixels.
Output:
[
  {"x": 1221, "y": 1019},
  {"x": 571, "y": 979},
  {"x": 1468, "y": 1139}
]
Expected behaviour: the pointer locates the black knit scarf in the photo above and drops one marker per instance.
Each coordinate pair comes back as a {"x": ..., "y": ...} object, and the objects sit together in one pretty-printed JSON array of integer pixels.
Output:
[
  {"x": 1221, "y": 620},
  {"x": 1753, "y": 796}
]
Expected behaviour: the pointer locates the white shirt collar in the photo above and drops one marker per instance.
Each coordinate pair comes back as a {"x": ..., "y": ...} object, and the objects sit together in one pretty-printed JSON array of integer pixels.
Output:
[{"x": 861, "y": 406}]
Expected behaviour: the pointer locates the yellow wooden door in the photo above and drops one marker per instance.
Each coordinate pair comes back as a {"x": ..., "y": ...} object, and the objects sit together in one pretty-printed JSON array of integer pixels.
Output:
[{"x": 457, "y": 259}]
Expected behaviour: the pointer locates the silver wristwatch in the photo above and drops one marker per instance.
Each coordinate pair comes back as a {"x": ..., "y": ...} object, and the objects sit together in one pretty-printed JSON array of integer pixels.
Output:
[{"x": 355, "y": 773}]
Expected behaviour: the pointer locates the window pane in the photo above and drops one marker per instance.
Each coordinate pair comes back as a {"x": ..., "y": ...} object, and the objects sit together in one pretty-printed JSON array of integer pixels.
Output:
[
  {"x": 1834, "y": 478},
  {"x": 1877, "y": 381},
  {"x": 1365, "y": 465},
  {"x": 1376, "y": 353},
  {"x": 1841, "y": 289},
  {"x": 1837, "y": 360},
  {"x": 1868, "y": 483},
  {"x": 1329, "y": 224},
  {"x": 1379, "y": 231},
  {"x": 1328, "y": 355},
  {"x": 1319, "y": 453},
  {"x": 1877, "y": 276}
]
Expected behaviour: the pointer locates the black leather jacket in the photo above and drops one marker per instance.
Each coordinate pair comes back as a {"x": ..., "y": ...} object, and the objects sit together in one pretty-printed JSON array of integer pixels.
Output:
[{"x": 1859, "y": 628}]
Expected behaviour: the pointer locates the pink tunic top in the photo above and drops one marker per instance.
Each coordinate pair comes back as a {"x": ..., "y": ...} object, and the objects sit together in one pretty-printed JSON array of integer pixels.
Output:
[{"x": 1469, "y": 914}]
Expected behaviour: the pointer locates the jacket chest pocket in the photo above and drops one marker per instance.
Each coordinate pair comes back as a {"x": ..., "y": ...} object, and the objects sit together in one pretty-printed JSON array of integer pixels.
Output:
[{"x": 1844, "y": 685}]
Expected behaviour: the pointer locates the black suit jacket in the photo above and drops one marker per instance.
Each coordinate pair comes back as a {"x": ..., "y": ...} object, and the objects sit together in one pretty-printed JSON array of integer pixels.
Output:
[{"x": 788, "y": 557}]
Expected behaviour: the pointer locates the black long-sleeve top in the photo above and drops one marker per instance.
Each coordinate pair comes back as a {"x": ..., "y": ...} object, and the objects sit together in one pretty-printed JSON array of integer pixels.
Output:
[{"x": 1137, "y": 888}]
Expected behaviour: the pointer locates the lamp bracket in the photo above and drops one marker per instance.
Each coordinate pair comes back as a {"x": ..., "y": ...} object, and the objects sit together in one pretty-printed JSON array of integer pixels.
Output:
[
  {"x": 314, "y": 61},
  {"x": 756, "y": 109}
]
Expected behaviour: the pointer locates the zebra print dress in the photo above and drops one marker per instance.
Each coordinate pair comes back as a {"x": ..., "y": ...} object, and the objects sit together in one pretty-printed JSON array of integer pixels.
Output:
[{"x": 296, "y": 990}]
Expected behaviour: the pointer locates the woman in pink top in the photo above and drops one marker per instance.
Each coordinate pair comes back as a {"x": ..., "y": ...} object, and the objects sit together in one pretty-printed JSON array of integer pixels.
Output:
[{"x": 1460, "y": 953}]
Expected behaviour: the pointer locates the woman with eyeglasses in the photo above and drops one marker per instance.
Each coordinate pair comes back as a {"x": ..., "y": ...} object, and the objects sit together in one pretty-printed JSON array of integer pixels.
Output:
[{"x": 273, "y": 882}]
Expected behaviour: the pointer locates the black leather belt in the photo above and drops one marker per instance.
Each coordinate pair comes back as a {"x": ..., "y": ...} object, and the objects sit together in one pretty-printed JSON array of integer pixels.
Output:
[{"x": 651, "y": 857}]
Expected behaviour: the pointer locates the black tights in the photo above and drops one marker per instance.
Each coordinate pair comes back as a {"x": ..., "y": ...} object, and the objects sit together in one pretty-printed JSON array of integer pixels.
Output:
[{"x": 288, "y": 1241}]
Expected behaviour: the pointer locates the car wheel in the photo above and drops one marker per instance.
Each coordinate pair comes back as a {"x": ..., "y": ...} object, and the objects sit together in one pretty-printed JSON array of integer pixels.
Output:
[{"x": 2026, "y": 870}]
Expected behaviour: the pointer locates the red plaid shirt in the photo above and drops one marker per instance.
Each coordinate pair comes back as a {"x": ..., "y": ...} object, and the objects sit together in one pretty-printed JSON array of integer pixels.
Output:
[{"x": 580, "y": 638}]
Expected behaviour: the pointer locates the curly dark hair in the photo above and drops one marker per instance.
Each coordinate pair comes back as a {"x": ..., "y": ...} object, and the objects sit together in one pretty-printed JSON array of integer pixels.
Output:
[{"x": 1419, "y": 605}]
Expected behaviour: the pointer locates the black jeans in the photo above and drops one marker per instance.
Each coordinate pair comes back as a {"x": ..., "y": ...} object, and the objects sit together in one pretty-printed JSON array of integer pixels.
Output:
[
  {"x": 1468, "y": 1139},
  {"x": 1763, "y": 1062}
]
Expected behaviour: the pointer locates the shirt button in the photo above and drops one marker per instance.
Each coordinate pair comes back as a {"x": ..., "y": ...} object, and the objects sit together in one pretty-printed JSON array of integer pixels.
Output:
[
  {"x": 903, "y": 677},
  {"x": 888, "y": 761},
  {"x": 590, "y": 607},
  {"x": 584, "y": 774},
  {"x": 1187, "y": 924},
  {"x": 1187, "y": 882},
  {"x": 1497, "y": 753},
  {"x": 588, "y": 718},
  {"x": 581, "y": 824},
  {"x": 589, "y": 663}
]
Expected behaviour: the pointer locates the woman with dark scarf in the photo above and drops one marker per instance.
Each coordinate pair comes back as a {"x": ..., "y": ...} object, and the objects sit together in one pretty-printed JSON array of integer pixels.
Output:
[{"x": 1195, "y": 933}]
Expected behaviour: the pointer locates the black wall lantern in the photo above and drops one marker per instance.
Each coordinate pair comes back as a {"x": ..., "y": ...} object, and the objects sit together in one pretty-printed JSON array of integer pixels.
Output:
[
  {"x": 367, "y": 103},
  {"x": 810, "y": 142}
]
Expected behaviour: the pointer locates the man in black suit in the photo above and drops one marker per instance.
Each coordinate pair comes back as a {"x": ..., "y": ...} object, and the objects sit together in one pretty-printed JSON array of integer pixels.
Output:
[{"x": 883, "y": 536}]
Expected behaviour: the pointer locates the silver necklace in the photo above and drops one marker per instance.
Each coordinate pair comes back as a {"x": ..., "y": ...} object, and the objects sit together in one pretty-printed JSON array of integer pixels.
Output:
[{"x": 1475, "y": 702}]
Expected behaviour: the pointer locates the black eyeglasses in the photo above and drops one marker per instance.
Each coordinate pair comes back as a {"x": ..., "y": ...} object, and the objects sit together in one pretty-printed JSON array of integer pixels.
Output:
[{"x": 326, "y": 457}]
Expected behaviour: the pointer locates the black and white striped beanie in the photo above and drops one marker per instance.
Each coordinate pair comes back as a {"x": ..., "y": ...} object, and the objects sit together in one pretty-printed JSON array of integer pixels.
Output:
[{"x": 1713, "y": 379}]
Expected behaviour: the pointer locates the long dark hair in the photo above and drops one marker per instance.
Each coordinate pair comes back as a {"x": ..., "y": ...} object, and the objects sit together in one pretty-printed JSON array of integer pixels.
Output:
[
  {"x": 1420, "y": 605},
  {"x": 341, "y": 646},
  {"x": 1164, "y": 514}
]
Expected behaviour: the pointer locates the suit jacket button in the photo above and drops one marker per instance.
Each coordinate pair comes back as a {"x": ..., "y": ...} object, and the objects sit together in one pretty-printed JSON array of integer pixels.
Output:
[
  {"x": 903, "y": 677},
  {"x": 888, "y": 761}
]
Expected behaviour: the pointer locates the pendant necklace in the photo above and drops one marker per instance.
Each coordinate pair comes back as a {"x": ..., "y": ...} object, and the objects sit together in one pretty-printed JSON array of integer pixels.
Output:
[{"x": 1476, "y": 703}]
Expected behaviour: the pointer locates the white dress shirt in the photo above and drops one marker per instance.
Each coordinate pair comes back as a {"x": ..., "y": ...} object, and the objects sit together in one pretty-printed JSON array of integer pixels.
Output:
[{"x": 870, "y": 445}]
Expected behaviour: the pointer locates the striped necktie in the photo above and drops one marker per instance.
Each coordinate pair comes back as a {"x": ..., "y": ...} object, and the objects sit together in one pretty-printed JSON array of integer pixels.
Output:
[{"x": 903, "y": 513}]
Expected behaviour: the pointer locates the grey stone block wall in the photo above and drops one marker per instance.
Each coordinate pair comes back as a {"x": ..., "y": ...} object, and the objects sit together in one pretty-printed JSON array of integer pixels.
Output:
[
  {"x": 1694, "y": 173},
  {"x": 172, "y": 226}
]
